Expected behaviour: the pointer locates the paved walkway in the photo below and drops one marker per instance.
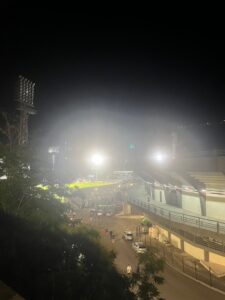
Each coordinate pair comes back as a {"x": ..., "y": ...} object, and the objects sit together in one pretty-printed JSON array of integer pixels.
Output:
[{"x": 216, "y": 269}]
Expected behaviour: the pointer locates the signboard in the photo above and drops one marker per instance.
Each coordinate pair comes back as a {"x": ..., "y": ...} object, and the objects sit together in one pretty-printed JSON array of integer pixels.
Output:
[{"x": 131, "y": 146}]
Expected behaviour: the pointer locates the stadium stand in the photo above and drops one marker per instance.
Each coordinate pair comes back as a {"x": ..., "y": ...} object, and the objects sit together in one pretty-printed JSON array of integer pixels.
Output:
[{"x": 210, "y": 180}]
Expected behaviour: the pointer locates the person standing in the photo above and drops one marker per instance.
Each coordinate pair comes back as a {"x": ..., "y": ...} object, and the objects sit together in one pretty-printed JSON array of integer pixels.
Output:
[{"x": 129, "y": 269}]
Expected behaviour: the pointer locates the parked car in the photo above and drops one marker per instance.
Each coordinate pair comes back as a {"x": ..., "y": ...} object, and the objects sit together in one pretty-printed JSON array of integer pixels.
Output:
[
  {"x": 139, "y": 247},
  {"x": 109, "y": 214},
  {"x": 128, "y": 235},
  {"x": 99, "y": 213}
]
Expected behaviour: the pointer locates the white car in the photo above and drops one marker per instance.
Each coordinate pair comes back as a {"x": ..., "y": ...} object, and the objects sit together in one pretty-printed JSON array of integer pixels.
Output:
[
  {"x": 109, "y": 214},
  {"x": 100, "y": 213},
  {"x": 128, "y": 235},
  {"x": 139, "y": 247}
]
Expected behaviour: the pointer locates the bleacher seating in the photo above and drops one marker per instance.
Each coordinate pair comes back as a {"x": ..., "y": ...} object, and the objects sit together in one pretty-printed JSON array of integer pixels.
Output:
[
  {"x": 183, "y": 181},
  {"x": 211, "y": 180},
  {"x": 160, "y": 176}
]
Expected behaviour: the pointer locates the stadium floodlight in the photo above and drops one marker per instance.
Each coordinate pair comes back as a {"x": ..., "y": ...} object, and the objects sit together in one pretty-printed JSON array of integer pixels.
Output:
[
  {"x": 25, "y": 105},
  {"x": 160, "y": 157},
  {"x": 97, "y": 159}
]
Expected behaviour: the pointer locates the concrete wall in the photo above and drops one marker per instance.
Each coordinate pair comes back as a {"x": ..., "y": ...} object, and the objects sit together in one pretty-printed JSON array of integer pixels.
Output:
[
  {"x": 198, "y": 252},
  {"x": 163, "y": 235},
  {"x": 126, "y": 209},
  {"x": 175, "y": 241},
  {"x": 194, "y": 251},
  {"x": 191, "y": 203},
  {"x": 154, "y": 232},
  {"x": 157, "y": 195},
  {"x": 215, "y": 207},
  {"x": 172, "y": 198},
  {"x": 216, "y": 258}
]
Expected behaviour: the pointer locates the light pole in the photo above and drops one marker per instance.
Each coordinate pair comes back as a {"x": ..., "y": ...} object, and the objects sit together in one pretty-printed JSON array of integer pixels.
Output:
[
  {"x": 97, "y": 160},
  {"x": 160, "y": 157},
  {"x": 53, "y": 151}
]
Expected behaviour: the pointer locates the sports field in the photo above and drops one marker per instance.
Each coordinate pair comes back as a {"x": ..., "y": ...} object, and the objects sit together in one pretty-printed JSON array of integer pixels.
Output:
[{"x": 87, "y": 184}]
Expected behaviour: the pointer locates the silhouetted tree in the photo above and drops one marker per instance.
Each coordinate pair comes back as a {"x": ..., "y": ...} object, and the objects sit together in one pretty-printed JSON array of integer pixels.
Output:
[
  {"x": 146, "y": 279},
  {"x": 41, "y": 263},
  {"x": 9, "y": 128},
  {"x": 41, "y": 257}
]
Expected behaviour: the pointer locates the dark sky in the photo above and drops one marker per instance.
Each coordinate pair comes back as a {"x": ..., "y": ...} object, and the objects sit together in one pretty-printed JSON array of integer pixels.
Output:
[{"x": 125, "y": 69}]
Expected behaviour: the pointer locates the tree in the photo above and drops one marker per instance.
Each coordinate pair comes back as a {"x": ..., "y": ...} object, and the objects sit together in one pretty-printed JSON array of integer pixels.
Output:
[
  {"x": 19, "y": 194},
  {"x": 146, "y": 222},
  {"x": 144, "y": 282},
  {"x": 41, "y": 257},
  {"x": 9, "y": 129},
  {"x": 40, "y": 263}
]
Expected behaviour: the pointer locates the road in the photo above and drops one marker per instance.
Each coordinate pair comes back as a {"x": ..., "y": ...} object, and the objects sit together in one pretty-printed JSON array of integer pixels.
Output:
[
  {"x": 125, "y": 255},
  {"x": 176, "y": 286}
]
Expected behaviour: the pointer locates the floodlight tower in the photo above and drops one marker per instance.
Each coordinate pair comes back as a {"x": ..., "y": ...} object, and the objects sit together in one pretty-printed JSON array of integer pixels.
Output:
[
  {"x": 174, "y": 144},
  {"x": 25, "y": 98}
]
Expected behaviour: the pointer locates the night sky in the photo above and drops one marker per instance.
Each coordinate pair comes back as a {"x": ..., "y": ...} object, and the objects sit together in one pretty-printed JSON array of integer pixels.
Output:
[{"x": 121, "y": 73}]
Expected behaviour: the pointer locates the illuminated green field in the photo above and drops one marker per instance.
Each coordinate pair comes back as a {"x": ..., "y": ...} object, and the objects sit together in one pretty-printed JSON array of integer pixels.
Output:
[
  {"x": 76, "y": 185},
  {"x": 80, "y": 185},
  {"x": 86, "y": 184}
]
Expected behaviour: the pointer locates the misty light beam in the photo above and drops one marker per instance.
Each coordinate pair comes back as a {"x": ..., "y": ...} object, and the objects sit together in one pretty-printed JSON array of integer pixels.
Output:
[
  {"x": 97, "y": 159},
  {"x": 159, "y": 157}
]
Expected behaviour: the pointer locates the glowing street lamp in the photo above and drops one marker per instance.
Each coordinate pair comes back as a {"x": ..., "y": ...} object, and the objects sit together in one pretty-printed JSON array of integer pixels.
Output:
[
  {"x": 97, "y": 160},
  {"x": 160, "y": 157}
]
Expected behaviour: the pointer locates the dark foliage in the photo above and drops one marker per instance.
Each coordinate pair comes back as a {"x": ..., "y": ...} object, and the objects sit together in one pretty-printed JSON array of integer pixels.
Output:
[{"x": 40, "y": 263}]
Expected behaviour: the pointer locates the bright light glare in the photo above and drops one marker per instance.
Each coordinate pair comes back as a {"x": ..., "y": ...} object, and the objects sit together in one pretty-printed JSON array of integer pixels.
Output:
[
  {"x": 159, "y": 157},
  {"x": 97, "y": 159},
  {"x": 53, "y": 150}
]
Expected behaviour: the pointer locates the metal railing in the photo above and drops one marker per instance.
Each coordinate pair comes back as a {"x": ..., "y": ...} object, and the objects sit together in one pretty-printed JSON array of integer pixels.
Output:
[
  {"x": 186, "y": 264},
  {"x": 178, "y": 217}
]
